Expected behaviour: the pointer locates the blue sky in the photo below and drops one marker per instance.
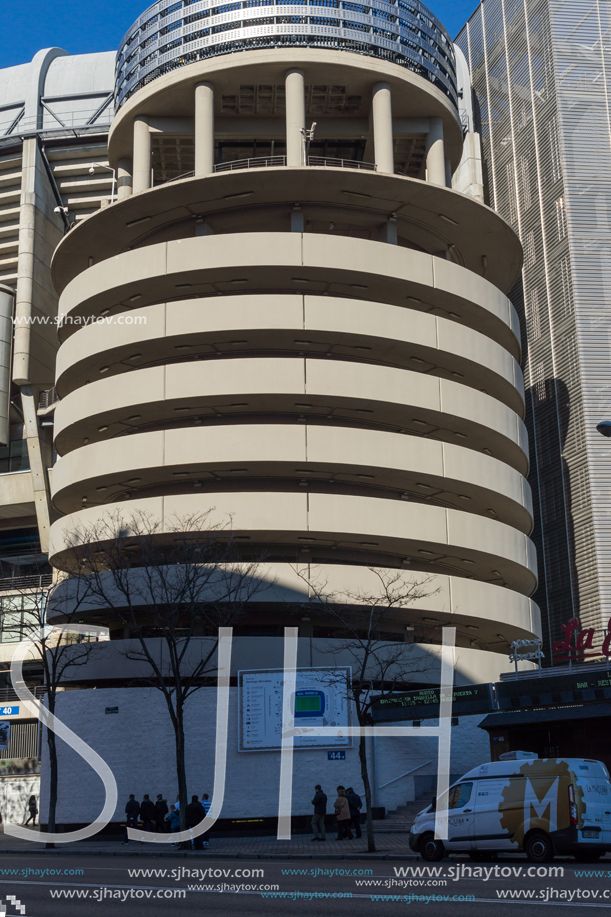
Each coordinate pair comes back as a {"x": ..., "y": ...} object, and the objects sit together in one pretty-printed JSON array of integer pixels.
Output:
[{"x": 98, "y": 25}]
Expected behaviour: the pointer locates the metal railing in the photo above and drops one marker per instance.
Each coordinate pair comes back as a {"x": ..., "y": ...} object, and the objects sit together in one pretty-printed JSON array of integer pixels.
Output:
[
  {"x": 47, "y": 398},
  {"x": 7, "y": 694},
  {"x": 38, "y": 581},
  {"x": 332, "y": 163},
  {"x": 258, "y": 162}
]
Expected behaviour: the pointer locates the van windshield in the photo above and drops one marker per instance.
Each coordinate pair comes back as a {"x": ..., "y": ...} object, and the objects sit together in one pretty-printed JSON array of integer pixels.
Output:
[{"x": 458, "y": 796}]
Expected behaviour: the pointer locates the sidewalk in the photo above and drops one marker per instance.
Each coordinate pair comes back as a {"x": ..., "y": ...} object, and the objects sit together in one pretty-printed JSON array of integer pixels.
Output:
[{"x": 389, "y": 846}]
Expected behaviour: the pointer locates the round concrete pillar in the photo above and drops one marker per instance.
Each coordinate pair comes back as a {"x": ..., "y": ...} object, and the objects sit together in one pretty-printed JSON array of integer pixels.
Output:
[
  {"x": 295, "y": 117},
  {"x": 204, "y": 129},
  {"x": 435, "y": 157},
  {"x": 124, "y": 178},
  {"x": 142, "y": 155},
  {"x": 381, "y": 108}
]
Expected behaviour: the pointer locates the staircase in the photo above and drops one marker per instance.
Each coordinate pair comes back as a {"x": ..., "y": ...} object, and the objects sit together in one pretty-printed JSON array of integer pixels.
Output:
[{"x": 402, "y": 818}]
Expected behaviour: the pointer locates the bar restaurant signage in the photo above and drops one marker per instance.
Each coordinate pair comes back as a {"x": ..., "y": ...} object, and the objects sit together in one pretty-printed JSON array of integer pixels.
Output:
[{"x": 577, "y": 643}]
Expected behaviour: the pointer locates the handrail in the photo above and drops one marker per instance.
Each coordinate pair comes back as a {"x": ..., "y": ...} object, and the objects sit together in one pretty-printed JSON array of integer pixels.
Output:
[
  {"x": 394, "y": 780},
  {"x": 267, "y": 162},
  {"x": 257, "y": 162},
  {"x": 25, "y": 582},
  {"x": 332, "y": 162}
]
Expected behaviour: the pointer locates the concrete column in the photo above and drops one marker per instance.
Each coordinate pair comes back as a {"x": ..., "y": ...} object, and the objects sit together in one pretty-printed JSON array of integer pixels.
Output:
[
  {"x": 435, "y": 158},
  {"x": 142, "y": 155},
  {"x": 295, "y": 117},
  {"x": 204, "y": 129},
  {"x": 381, "y": 110},
  {"x": 39, "y": 462},
  {"x": 124, "y": 178},
  {"x": 7, "y": 307},
  {"x": 448, "y": 174}
]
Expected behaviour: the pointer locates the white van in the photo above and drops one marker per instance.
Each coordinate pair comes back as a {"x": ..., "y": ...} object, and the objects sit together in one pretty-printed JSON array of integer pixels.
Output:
[{"x": 540, "y": 806}]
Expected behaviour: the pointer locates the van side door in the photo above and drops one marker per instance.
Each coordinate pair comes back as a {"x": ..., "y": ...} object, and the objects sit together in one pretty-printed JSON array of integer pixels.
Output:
[
  {"x": 491, "y": 802},
  {"x": 461, "y": 816}
]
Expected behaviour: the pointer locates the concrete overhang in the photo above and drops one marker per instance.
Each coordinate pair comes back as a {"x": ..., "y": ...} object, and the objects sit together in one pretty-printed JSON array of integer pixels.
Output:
[
  {"x": 16, "y": 495},
  {"x": 173, "y": 95},
  {"x": 433, "y": 218}
]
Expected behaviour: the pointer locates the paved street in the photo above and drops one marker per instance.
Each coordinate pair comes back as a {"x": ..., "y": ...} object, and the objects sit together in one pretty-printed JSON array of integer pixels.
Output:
[{"x": 63, "y": 883}]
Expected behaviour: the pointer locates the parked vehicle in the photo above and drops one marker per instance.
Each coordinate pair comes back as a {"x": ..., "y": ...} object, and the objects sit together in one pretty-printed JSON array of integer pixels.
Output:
[{"x": 538, "y": 806}]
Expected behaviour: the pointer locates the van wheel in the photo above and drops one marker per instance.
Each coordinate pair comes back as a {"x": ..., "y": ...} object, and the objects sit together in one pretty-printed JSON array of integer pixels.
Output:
[
  {"x": 431, "y": 850},
  {"x": 539, "y": 848}
]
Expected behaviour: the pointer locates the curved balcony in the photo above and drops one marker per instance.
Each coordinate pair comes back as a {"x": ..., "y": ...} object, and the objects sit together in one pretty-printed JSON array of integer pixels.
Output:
[
  {"x": 292, "y": 325},
  {"x": 287, "y": 457},
  {"x": 363, "y": 528}
]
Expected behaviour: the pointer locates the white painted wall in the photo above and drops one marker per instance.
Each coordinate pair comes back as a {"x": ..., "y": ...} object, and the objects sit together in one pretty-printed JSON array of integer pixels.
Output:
[
  {"x": 138, "y": 745},
  {"x": 14, "y": 796}
]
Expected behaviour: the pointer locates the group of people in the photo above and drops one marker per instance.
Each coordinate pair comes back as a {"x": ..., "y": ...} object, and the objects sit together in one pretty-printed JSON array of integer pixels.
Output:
[
  {"x": 159, "y": 817},
  {"x": 347, "y": 808}
]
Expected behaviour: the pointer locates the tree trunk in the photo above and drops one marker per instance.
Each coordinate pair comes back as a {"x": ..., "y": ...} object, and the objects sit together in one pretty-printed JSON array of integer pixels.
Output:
[
  {"x": 181, "y": 771},
  {"x": 52, "y": 745},
  {"x": 371, "y": 844}
]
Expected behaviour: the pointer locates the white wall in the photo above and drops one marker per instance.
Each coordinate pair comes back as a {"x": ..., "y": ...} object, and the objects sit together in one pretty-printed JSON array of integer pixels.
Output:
[
  {"x": 14, "y": 795},
  {"x": 138, "y": 745}
]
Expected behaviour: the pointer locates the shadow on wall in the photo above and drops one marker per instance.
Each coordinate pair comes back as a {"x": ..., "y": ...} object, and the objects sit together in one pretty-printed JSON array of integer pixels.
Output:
[{"x": 548, "y": 416}]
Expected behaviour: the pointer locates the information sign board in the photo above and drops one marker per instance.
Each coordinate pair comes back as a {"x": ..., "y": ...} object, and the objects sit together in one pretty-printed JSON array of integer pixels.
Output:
[{"x": 320, "y": 699}]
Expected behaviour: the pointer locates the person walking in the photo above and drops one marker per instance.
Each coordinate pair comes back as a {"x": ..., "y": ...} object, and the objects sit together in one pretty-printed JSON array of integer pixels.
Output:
[
  {"x": 132, "y": 811},
  {"x": 161, "y": 810},
  {"x": 33, "y": 810},
  {"x": 356, "y": 803},
  {"x": 195, "y": 813},
  {"x": 342, "y": 813},
  {"x": 320, "y": 810}
]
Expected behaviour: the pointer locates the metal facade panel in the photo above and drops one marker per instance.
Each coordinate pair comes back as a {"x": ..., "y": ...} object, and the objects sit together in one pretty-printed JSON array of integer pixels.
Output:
[{"x": 524, "y": 56}]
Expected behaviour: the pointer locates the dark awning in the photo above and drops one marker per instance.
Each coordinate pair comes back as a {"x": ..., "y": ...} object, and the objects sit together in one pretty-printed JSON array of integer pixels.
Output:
[{"x": 546, "y": 715}]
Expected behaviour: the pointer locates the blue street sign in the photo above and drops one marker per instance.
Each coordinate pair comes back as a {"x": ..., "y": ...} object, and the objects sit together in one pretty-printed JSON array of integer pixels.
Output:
[
  {"x": 336, "y": 755},
  {"x": 9, "y": 711}
]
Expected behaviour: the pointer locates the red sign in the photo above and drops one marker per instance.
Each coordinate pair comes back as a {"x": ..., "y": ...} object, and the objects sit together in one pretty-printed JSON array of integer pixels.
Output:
[{"x": 577, "y": 642}]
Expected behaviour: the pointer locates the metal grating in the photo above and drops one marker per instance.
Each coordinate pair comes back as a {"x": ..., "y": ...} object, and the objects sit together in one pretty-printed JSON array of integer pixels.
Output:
[
  {"x": 23, "y": 741},
  {"x": 540, "y": 72}
]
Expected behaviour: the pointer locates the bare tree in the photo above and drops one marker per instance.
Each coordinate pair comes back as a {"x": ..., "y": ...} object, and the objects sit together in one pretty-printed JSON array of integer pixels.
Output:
[
  {"x": 60, "y": 655},
  {"x": 366, "y": 626},
  {"x": 180, "y": 587}
]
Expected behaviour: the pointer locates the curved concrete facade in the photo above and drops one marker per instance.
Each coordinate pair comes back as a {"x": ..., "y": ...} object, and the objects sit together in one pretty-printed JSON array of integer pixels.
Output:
[
  {"x": 171, "y": 34},
  {"x": 318, "y": 351}
]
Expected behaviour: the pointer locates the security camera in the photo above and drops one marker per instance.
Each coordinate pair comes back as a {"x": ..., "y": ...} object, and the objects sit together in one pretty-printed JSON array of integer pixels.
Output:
[
  {"x": 60, "y": 210},
  {"x": 91, "y": 170},
  {"x": 604, "y": 427}
]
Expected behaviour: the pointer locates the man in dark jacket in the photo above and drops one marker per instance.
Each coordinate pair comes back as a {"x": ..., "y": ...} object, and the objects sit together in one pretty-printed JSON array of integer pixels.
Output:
[
  {"x": 320, "y": 810},
  {"x": 147, "y": 812},
  {"x": 132, "y": 811},
  {"x": 355, "y": 803},
  {"x": 194, "y": 814},
  {"x": 161, "y": 810}
]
